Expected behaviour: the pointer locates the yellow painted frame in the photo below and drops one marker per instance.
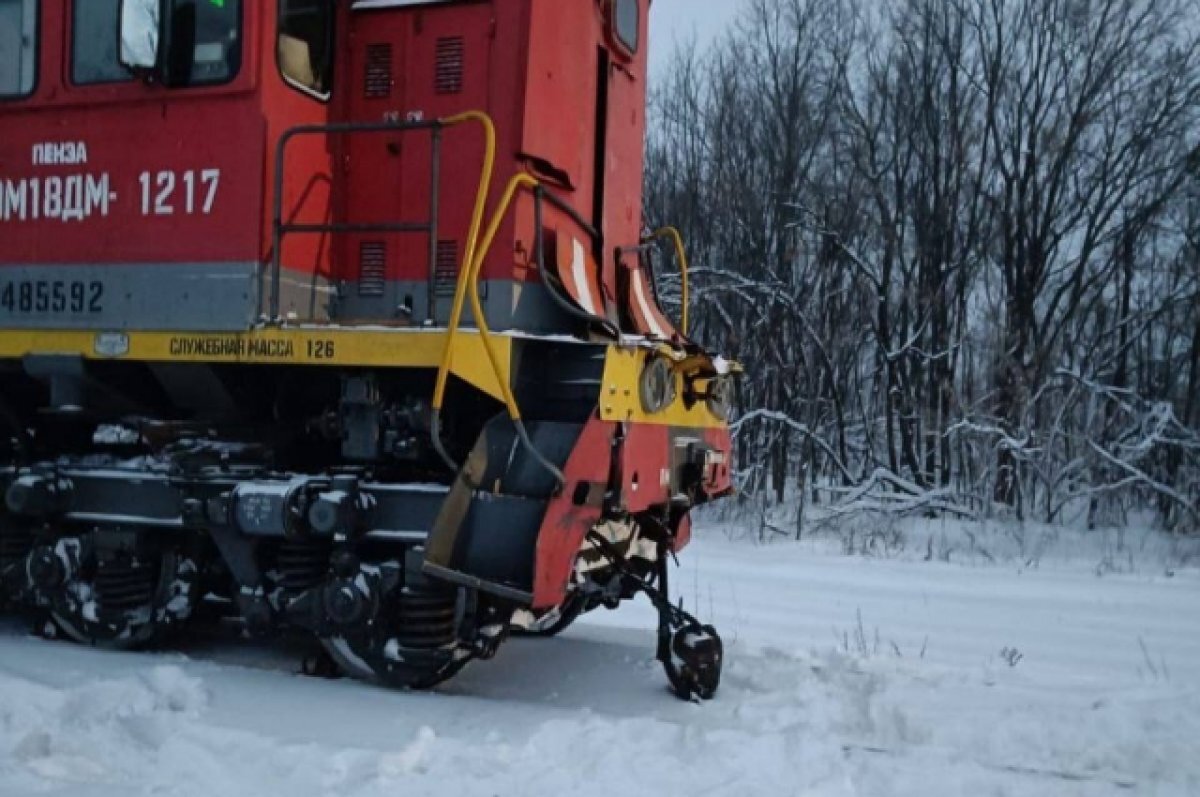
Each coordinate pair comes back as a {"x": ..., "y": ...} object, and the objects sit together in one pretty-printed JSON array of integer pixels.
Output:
[
  {"x": 620, "y": 397},
  {"x": 334, "y": 347}
]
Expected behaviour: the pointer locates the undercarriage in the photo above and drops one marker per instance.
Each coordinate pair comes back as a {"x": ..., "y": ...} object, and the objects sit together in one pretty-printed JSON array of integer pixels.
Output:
[{"x": 315, "y": 515}]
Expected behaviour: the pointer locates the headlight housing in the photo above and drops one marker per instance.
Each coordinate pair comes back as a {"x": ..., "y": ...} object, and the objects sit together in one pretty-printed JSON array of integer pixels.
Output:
[
  {"x": 720, "y": 397},
  {"x": 657, "y": 386}
]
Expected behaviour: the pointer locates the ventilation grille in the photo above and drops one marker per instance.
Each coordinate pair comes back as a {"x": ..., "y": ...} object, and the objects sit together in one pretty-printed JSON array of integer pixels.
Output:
[
  {"x": 449, "y": 69},
  {"x": 372, "y": 269},
  {"x": 377, "y": 80},
  {"x": 445, "y": 272}
]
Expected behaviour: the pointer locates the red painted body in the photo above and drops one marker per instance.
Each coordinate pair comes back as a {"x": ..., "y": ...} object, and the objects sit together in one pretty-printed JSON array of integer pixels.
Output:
[
  {"x": 566, "y": 524},
  {"x": 647, "y": 464},
  {"x": 128, "y": 129},
  {"x": 533, "y": 65}
]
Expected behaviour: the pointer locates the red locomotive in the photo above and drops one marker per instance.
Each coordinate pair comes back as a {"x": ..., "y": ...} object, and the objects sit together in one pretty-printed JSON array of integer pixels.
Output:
[{"x": 339, "y": 317}]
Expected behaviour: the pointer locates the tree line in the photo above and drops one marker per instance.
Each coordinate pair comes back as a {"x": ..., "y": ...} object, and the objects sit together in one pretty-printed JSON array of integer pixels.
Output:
[{"x": 956, "y": 244}]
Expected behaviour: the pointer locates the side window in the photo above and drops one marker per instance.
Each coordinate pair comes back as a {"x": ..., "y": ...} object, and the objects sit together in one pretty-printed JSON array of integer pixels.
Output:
[
  {"x": 627, "y": 23},
  {"x": 18, "y": 47},
  {"x": 94, "y": 43},
  {"x": 206, "y": 42},
  {"x": 306, "y": 45}
]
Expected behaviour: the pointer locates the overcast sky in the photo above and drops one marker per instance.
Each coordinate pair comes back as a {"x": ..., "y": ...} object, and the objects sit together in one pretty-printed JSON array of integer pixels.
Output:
[{"x": 674, "y": 20}]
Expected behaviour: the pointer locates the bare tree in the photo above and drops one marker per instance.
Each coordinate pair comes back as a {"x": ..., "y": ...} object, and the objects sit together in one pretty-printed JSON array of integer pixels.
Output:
[{"x": 956, "y": 243}]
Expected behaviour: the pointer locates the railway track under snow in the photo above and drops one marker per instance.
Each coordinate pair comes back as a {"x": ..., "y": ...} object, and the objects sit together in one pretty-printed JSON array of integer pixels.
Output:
[{"x": 845, "y": 677}]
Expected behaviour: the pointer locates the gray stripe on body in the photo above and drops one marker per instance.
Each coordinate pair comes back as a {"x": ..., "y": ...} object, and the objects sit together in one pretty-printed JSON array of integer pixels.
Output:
[
  {"x": 509, "y": 305},
  {"x": 214, "y": 297},
  {"x": 225, "y": 297}
]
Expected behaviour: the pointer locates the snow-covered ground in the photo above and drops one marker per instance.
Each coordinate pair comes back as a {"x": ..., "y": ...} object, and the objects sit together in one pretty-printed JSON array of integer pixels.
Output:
[{"x": 846, "y": 676}]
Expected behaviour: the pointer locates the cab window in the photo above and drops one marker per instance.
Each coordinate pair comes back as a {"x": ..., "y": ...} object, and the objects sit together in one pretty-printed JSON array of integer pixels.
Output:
[
  {"x": 93, "y": 53},
  {"x": 306, "y": 45},
  {"x": 206, "y": 42},
  {"x": 627, "y": 23},
  {"x": 18, "y": 47}
]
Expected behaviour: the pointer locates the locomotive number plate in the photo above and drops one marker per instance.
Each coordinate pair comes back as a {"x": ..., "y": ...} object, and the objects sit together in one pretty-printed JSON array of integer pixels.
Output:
[{"x": 51, "y": 297}]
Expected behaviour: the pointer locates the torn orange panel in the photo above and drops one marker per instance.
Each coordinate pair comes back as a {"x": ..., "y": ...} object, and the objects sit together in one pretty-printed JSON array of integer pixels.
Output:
[
  {"x": 578, "y": 273},
  {"x": 642, "y": 304}
]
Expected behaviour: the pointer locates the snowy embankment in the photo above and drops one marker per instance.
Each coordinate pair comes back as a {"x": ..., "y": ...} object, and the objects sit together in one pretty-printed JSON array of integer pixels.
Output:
[{"x": 846, "y": 676}]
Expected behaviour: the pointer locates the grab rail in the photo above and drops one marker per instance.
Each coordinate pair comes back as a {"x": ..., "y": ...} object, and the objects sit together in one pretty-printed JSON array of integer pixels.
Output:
[
  {"x": 460, "y": 289},
  {"x": 681, "y": 254},
  {"x": 468, "y": 288},
  {"x": 280, "y": 229}
]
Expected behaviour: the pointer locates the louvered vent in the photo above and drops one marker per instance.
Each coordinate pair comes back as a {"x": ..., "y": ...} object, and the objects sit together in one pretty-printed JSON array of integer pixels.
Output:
[
  {"x": 372, "y": 269},
  {"x": 445, "y": 273},
  {"x": 377, "y": 81},
  {"x": 449, "y": 70}
]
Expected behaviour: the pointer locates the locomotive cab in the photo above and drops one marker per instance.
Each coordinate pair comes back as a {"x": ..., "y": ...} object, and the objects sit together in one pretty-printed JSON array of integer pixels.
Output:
[{"x": 343, "y": 311}]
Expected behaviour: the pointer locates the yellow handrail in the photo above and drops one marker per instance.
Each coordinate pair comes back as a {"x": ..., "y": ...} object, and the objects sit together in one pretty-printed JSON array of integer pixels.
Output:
[
  {"x": 476, "y": 253},
  {"x": 468, "y": 287},
  {"x": 681, "y": 253},
  {"x": 460, "y": 291},
  {"x": 472, "y": 277}
]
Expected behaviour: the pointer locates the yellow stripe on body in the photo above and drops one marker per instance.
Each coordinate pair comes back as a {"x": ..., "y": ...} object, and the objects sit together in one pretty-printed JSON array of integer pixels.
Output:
[{"x": 314, "y": 346}]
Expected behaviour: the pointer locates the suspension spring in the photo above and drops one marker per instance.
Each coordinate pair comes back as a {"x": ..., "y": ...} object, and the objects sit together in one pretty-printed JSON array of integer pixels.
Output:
[
  {"x": 303, "y": 565},
  {"x": 427, "y": 618},
  {"x": 125, "y": 584}
]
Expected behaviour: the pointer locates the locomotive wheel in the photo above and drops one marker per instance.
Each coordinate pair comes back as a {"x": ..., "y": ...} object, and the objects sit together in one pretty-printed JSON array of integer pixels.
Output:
[
  {"x": 411, "y": 644},
  {"x": 125, "y": 604},
  {"x": 555, "y": 621},
  {"x": 367, "y": 660}
]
